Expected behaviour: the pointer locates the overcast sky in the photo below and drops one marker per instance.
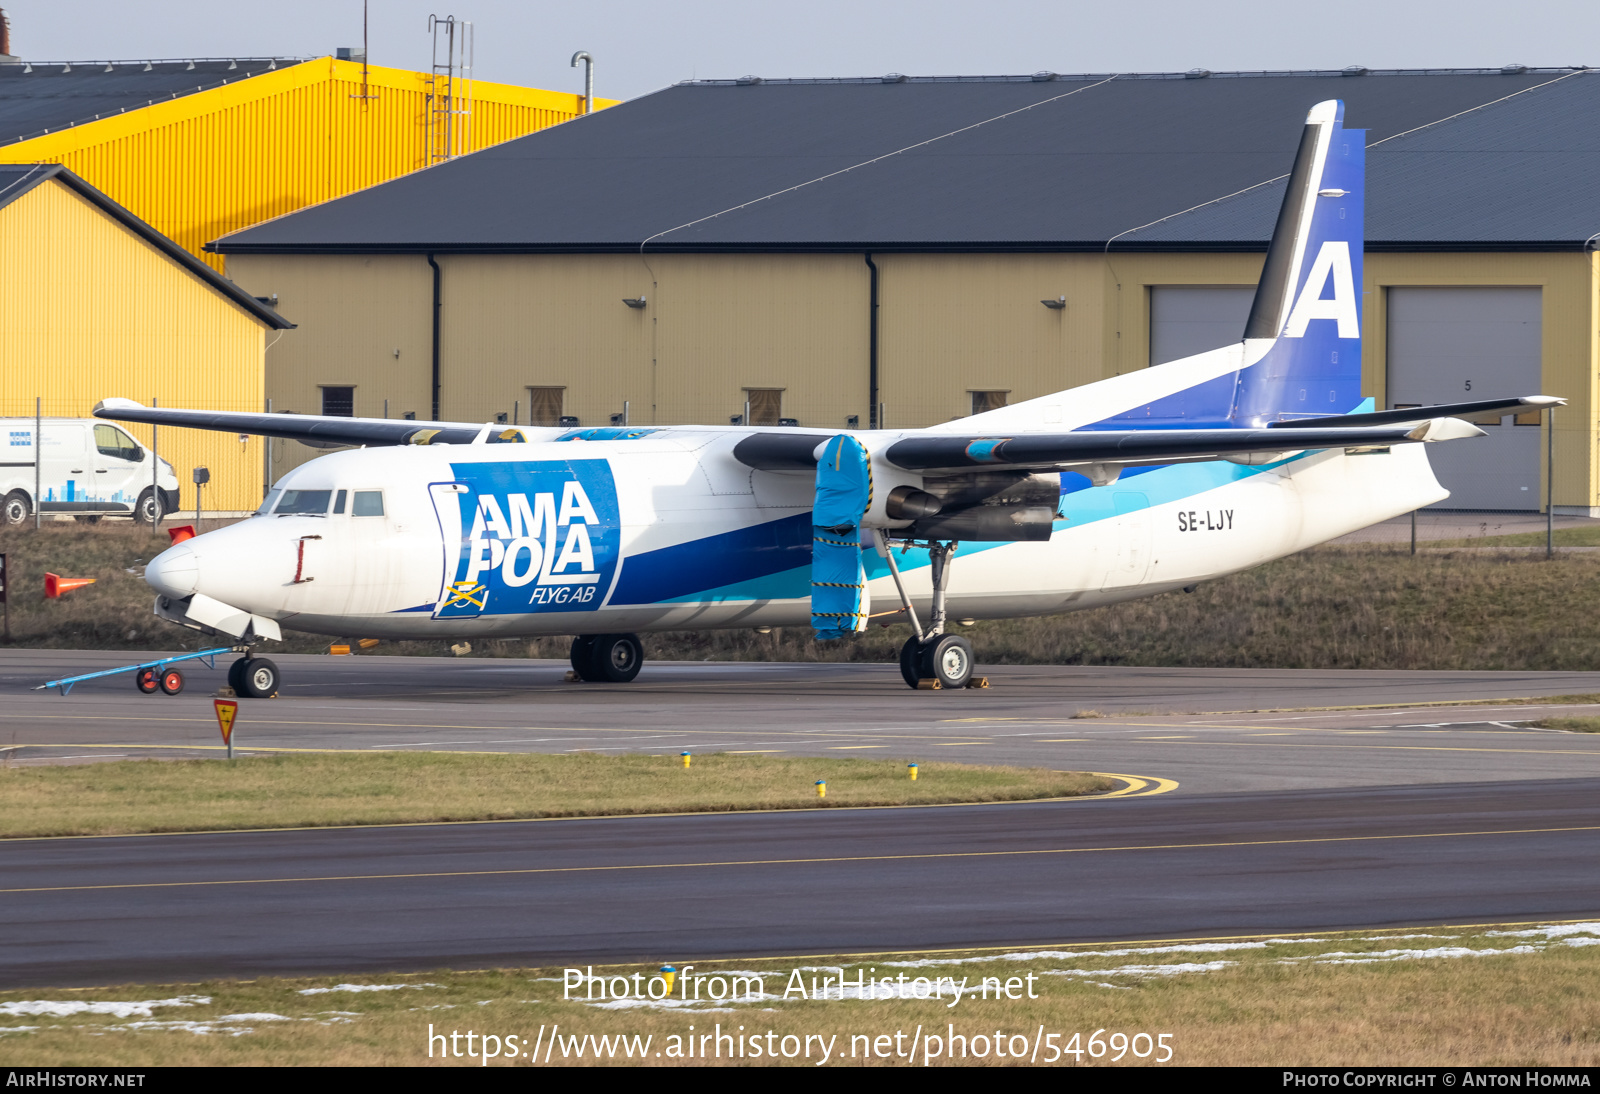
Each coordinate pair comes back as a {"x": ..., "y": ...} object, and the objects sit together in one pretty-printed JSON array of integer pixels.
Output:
[{"x": 641, "y": 46}]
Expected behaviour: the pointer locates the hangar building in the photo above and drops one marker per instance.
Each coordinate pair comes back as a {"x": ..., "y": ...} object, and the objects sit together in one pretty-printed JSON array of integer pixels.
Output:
[
  {"x": 193, "y": 149},
  {"x": 84, "y": 283},
  {"x": 203, "y": 147},
  {"x": 911, "y": 250}
]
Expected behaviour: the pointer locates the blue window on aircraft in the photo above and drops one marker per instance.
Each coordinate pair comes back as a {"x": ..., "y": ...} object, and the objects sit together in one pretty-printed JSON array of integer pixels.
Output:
[
  {"x": 304, "y": 503},
  {"x": 369, "y": 503}
]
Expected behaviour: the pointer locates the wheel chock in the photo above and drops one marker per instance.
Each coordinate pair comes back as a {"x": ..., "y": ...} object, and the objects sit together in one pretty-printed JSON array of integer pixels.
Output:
[
  {"x": 572, "y": 677},
  {"x": 929, "y": 683},
  {"x": 977, "y": 682},
  {"x": 225, "y": 692}
]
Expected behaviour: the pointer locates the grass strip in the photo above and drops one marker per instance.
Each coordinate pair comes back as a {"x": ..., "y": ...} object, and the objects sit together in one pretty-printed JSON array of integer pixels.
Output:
[
  {"x": 318, "y": 790},
  {"x": 1572, "y": 725},
  {"x": 1409, "y": 998}
]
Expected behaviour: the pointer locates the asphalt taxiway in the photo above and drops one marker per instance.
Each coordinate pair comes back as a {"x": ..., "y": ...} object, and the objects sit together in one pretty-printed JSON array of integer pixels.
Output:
[
  {"x": 684, "y": 888},
  {"x": 1425, "y": 798},
  {"x": 1208, "y": 729}
]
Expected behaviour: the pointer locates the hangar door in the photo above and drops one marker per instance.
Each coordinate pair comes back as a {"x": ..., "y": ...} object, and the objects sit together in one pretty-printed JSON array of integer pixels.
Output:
[
  {"x": 1456, "y": 344},
  {"x": 1190, "y": 319}
]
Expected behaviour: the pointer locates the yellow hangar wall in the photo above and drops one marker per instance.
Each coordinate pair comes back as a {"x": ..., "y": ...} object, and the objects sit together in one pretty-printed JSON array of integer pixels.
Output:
[
  {"x": 716, "y": 325},
  {"x": 90, "y": 310},
  {"x": 215, "y": 161}
]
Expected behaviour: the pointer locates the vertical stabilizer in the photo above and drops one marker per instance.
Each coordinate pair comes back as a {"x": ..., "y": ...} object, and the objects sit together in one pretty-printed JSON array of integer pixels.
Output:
[{"x": 1303, "y": 339}]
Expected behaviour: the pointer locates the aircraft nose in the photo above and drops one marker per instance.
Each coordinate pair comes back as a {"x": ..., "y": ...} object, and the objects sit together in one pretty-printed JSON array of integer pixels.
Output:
[{"x": 175, "y": 572}]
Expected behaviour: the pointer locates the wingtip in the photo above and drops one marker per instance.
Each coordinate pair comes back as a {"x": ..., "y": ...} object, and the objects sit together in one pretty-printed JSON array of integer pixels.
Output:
[{"x": 116, "y": 404}]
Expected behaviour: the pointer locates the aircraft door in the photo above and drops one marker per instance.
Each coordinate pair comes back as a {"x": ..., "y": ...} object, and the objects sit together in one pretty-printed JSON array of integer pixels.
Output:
[
  {"x": 457, "y": 599},
  {"x": 1133, "y": 539}
]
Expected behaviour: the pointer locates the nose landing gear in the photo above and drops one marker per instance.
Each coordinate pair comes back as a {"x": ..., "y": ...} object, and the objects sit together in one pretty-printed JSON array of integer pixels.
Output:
[
  {"x": 253, "y": 678},
  {"x": 609, "y": 658}
]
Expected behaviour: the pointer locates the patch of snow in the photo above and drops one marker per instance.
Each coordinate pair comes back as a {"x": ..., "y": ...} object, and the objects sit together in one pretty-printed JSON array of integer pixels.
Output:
[
  {"x": 363, "y": 987},
  {"x": 65, "y": 1009}
]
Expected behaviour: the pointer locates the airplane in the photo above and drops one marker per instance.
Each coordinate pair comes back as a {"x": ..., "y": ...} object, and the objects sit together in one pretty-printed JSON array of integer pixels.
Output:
[{"x": 1137, "y": 485}]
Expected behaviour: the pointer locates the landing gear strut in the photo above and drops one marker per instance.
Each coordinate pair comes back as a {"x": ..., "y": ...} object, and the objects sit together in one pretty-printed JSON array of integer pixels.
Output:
[
  {"x": 931, "y": 654},
  {"x": 609, "y": 658}
]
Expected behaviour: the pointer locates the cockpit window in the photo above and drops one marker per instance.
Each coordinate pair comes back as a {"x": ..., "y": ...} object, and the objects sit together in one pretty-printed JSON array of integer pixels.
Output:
[
  {"x": 304, "y": 503},
  {"x": 368, "y": 503},
  {"x": 268, "y": 502},
  {"x": 338, "y": 501}
]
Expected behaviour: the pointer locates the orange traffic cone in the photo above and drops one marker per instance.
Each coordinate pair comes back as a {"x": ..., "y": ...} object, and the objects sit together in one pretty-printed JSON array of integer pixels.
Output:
[
  {"x": 55, "y": 586},
  {"x": 181, "y": 533}
]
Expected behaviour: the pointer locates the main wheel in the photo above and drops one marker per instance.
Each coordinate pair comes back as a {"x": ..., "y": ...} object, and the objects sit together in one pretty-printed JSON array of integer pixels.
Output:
[
  {"x": 909, "y": 655},
  {"x": 948, "y": 659},
  {"x": 16, "y": 509},
  {"x": 147, "y": 681},
  {"x": 582, "y": 655},
  {"x": 616, "y": 658},
  {"x": 260, "y": 679},
  {"x": 171, "y": 681},
  {"x": 147, "y": 510},
  {"x": 236, "y": 675}
]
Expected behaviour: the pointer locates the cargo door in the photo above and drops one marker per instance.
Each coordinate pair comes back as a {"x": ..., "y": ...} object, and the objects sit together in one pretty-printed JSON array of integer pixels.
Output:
[
  {"x": 457, "y": 599},
  {"x": 1133, "y": 539}
]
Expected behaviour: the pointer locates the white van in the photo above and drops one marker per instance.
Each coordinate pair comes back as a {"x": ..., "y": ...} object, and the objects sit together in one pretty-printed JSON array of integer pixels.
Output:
[{"x": 90, "y": 468}]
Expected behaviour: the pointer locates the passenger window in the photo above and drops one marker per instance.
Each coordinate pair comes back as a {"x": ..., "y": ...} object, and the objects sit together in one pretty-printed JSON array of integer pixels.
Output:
[
  {"x": 338, "y": 502},
  {"x": 304, "y": 503},
  {"x": 369, "y": 503}
]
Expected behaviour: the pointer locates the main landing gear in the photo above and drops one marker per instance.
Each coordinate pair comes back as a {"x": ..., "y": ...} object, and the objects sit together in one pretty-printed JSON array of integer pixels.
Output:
[
  {"x": 612, "y": 658},
  {"x": 931, "y": 658},
  {"x": 253, "y": 678}
]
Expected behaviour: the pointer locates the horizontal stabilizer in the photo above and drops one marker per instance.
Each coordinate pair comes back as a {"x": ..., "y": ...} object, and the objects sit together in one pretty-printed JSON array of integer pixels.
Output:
[{"x": 1419, "y": 413}]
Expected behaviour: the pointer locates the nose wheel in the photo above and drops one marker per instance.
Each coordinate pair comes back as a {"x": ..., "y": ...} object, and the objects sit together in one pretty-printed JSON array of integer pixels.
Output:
[
  {"x": 608, "y": 658},
  {"x": 253, "y": 678}
]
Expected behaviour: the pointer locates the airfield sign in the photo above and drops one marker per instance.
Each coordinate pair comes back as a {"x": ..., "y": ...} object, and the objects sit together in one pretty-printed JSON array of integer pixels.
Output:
[{"x": 227, "y": 709}]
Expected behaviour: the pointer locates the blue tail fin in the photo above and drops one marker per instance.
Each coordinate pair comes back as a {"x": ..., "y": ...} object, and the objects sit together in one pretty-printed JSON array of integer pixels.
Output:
[{"x": 1303, "y": 339}]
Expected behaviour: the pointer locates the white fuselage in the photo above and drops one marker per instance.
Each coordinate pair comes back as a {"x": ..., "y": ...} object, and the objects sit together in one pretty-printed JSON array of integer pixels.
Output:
[{"x": 694, "y": 539}]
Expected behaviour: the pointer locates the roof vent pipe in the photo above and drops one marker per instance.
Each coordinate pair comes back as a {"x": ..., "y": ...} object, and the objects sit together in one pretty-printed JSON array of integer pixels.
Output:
[{"x": 588, "y": 78}]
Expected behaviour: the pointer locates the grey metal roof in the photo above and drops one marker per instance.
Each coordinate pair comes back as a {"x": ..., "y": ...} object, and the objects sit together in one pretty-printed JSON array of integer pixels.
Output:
[
  {"x": 17, "y": 179},
  {"x": 40, "y": 97},
  {"x": 1048, "y": 163}
]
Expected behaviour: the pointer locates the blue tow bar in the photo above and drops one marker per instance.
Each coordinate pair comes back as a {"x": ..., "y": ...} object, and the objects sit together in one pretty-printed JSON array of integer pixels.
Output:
[{"x": 208, "y": 656}]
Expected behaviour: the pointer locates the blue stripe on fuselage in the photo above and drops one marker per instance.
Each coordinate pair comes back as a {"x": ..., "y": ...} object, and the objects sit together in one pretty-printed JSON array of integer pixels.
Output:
[
  {"x": 686, "y": 571},
  {"x": 772, "y": 560}
]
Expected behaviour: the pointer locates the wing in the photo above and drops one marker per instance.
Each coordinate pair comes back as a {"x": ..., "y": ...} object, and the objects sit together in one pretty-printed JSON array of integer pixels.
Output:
[{"x": 314, "y": 430}]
